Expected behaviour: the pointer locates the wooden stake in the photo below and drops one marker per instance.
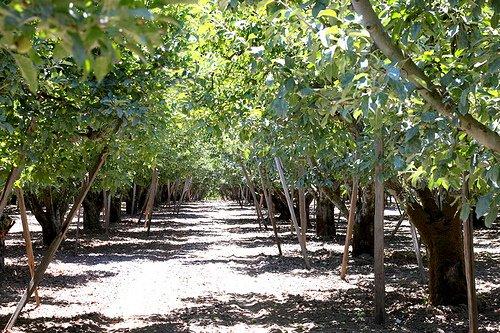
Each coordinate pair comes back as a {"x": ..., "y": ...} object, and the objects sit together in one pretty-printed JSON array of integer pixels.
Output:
[
  {"x": 350, "y": 226},
  {"x": 378, "y": 232},
  {"x": 168, "y": 193},
  {"x": 184, "y": 191},
  {"x": 78, "y": 225},
  {"x": 51, "y": 251},
  {"x": 7, "y": 188},
  {"x": 152, "y": 194},
  {"x": 254, "y": 197},
  {"x": 270, "y": 211},
  {"x": 468, "y": 234},
  {"x": 27, "y": 238},
  {"x": 303, "y": 213},
  {"x": 143, "y": 209},
  {"x": 134, "y": 191},
  {"x": 107, "y": 216},
  {"x": 416, "y": 248},
  {"x": 279, "y": 167},
  {"x": 396, "y": 228}
]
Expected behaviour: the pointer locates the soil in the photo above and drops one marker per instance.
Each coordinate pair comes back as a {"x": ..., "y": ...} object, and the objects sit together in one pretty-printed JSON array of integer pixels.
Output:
[{"x": 210, "y": 269}]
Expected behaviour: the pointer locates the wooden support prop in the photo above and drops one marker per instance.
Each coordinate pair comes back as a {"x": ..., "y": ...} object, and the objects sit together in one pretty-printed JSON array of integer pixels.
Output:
[
  {"x": 350, "y": 226},
  {"x": 78, "y": 225},
  {"x": 270, "y": 210},
  {"x": 281, "y": 173},
  {"x": 7, "y": 188},
  {"x": 134, "y": 191},
  {"x": 396, "y": 228},
  {"x": 168, "y": 193},
  {"x": 254, "y": 197},
  {"x": 107, "y": 207},
  {"x": 51, "y": 251},
  {"x": 416, "y": 248},
  {"x": 184, "y": 191},
  {"x": 27, "y": 238},
  {"x": 152, "y": 195},
  {"x": 378, "y": 233},
  {"x": 468, "y": 234},
  {"x": 143, "y": 209},
  {"x": 303, "y": 213}
]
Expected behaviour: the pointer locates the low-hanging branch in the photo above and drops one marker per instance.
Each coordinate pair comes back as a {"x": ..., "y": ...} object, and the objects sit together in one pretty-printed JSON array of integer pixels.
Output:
[{"x": 429, "y": 92}]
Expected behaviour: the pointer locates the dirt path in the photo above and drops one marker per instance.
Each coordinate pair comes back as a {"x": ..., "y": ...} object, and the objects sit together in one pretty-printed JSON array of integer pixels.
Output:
[{"x": 211, "y": 270}]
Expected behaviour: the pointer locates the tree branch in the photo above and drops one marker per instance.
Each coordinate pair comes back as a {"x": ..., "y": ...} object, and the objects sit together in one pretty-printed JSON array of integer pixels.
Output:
[{"x": 430, "y": 93}]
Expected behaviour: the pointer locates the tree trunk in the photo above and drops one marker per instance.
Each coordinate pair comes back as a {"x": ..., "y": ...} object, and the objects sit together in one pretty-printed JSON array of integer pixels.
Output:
[
  {"x": 92, "y": 207},
  {"x": 2, "y": 254},
  {"x": 5, "y": 224},
  {"x": 440, "y": 228},
  {"x": 362, "y": 238},
  {"x": 115, "y": 209},
  {"x": 325, "y": 218},
  {"x": 280, "y": 205},
  {"x": 49, "y": 207}
]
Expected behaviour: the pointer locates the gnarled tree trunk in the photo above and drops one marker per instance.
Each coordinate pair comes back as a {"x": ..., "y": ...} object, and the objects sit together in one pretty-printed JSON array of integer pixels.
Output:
[
  {"x": 49, "y": 207},
  {"x": 280, "y": 205},
  {"x": 325, "y": 218},
  {"x": 92, "y": 207},
  {"x": 362, "y": 237},
  {"x": 441, "y": 230},
  {"x": 115, "y": 209}
]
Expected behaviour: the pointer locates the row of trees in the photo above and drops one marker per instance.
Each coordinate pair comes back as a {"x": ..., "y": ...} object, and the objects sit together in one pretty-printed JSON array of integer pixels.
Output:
[{"x": 197, "y": 92}]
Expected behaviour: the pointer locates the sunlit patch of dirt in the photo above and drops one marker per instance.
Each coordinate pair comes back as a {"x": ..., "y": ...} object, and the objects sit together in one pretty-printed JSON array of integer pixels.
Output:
[{"x": 211, "y": 269}]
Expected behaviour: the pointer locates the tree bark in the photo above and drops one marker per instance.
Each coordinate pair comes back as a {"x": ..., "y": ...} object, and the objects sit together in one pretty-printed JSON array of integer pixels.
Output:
[
  {"x": 304, "y": 217},
  {"x": 49, "y": 206},
  {"x": 350, "y": 225},
  {"x": 92, "y": 207},
  {"x": 5, "y": 224},
  {"x": 362, "y": 239},
  {"x": 325, "y": 218},
  {"x": 2, "y": 254},
  {"x": 116, "y": 209},
  {"x": 441, "y": 231}
]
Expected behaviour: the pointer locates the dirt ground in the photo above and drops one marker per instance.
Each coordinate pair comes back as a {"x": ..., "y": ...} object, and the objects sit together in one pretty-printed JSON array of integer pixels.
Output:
[{"x": 210, "y": 269}]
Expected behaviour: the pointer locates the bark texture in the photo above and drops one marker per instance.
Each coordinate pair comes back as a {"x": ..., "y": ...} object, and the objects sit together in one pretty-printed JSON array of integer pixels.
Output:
[
  {"x": 439, "y": 224},
  {"x": 116, "y": 209},
  {"x": 325, "y": 218},
  {"x": 49, "y": 206},
  {"x": 362, "y": 238},
  {"x": 92, "y": 207}
]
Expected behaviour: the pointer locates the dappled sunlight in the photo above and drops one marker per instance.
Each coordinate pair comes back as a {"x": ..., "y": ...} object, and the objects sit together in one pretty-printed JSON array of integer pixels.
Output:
[{"x": 214, "y": 270}]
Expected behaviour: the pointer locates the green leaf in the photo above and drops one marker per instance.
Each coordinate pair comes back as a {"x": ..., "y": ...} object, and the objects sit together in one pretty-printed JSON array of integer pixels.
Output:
[
  {"x": 28, "y": 71},
  {"x": 465, "y": 212},
  {"x": 410, "y": 134},
  {"x": 463, "y": 105},
  {"x": 399, "y": 163},
  {"x": 357, "y": 113},
  {"x": 483, "y": 205},
  {"x": 328, "y": 13},
  {"x": 324, "y": 121},
  {"x": 60, "y": 52},
  {"x": 491, "y": 217},
  {"x": 101, "y": 67}
]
